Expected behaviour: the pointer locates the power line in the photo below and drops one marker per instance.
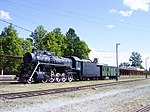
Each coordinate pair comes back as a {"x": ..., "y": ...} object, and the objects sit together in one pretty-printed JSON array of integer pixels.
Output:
[
  {"x": 22, "y": 28},
  {"x": 32, "y": 32},
  {"x": 37, "y": 17},
  {"x": 48, "y": 11},
  {"x": 16, "y": 26},
  {"x": 85, "y": 20},
  {"x": 72, "y": 18},
  {"x": 71, "y": 12}
]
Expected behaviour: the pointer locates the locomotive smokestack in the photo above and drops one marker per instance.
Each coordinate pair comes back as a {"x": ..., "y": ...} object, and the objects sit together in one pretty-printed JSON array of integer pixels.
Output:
[{"x": 95, "y": 60}]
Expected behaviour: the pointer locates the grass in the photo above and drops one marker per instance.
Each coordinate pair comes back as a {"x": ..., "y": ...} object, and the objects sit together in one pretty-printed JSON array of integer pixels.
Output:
[{"x": 14, "y": 87}]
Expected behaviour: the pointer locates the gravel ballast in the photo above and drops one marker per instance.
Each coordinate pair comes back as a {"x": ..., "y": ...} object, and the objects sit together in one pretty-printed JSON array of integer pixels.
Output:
[{"x": 121, "y": 98}]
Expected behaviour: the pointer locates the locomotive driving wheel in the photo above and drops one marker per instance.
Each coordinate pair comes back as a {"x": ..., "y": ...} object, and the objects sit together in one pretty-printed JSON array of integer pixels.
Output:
[
  {"x": 70, "y": 77},
  {"x": 29, "y": 81},
  {"x": 52, "y": 77},
  {"x": 58, "y": 77},
  {"x": 63, "y": 77}
]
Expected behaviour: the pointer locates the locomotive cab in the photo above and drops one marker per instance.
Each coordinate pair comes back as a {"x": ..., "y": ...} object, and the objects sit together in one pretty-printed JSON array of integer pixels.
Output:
[{"x": 76, "y": 66}]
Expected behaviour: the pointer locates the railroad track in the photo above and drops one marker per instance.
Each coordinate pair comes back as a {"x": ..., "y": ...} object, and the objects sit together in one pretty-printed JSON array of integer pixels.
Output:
[
  {"x": 144, "y": 109},
  {"x": 59, "y": 90}
]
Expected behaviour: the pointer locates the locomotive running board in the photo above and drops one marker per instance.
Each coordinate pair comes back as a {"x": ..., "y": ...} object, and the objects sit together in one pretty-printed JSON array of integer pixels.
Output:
[{"x": 54, "y": 64}]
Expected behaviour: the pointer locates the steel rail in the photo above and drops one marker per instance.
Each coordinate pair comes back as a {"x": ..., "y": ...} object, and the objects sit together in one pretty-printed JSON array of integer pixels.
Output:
[
  {"x": 59, "y": 90},
  {"x": 144, "y": 109}
]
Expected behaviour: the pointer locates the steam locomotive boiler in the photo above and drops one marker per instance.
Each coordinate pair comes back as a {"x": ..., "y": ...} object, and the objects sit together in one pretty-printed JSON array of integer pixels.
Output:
[{"x": 43, "y": 66}]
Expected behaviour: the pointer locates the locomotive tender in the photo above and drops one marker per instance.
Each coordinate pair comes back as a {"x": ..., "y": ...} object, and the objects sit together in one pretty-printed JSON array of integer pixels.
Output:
[{"x": 44, "y": 66}]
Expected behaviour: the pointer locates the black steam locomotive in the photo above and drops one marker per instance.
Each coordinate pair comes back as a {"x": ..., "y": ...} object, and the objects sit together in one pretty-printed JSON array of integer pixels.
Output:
[{"x": 44, "y": 66}]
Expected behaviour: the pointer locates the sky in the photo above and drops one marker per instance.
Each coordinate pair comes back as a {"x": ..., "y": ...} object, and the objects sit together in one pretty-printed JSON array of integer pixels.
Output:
[{"x": 100, "y": 23}]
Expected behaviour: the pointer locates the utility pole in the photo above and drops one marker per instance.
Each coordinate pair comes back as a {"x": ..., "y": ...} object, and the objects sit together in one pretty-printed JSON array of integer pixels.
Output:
[
  {"x": 146, "y": 66},
  {"x": 117, "y": 44}
]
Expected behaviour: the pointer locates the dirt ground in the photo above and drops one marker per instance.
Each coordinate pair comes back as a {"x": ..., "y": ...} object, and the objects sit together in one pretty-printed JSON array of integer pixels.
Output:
[{"x": 121, "y": 98}]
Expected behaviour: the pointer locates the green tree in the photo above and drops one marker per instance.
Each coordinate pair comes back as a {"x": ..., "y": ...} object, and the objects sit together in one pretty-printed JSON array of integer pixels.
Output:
[
  {"x": 81, "y": 49},
  {"x": 62, "y": 45},
  {"x": 11, "y": 44},
  {"x": 1, "y": 52},
  {"x": 38, "y": 35},
  {"x": 55, "y": 42},
  {"x": 50, "y": 43},
  {"x": 124, "y": 64},
  {"x": 57, "y": 31},
  {"x": 71, "y": 36},
  {"x": 75, "y": 46},
  {"x": 135, "y": 59},
  {"x": 1, "y": 47},
  {"x": 27, "y": 45},
  {"x": 60, "y": 40}
]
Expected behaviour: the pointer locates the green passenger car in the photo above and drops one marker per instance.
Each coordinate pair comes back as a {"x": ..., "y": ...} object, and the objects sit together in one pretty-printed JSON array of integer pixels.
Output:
[{"x": 108, "y": 71}]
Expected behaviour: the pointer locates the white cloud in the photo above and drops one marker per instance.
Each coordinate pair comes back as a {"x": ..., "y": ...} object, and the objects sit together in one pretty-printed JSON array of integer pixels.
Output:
[
  {"x": 125, "y": 13},
  {"x": 134, "y": 5},
  {"x": 112, "y": 11},
  {"x": 110, "y": 26},
  {"x": 122, "y": 13},
  {"x": 4, "y": 15},
  {"x": 137, "y": 4}
]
